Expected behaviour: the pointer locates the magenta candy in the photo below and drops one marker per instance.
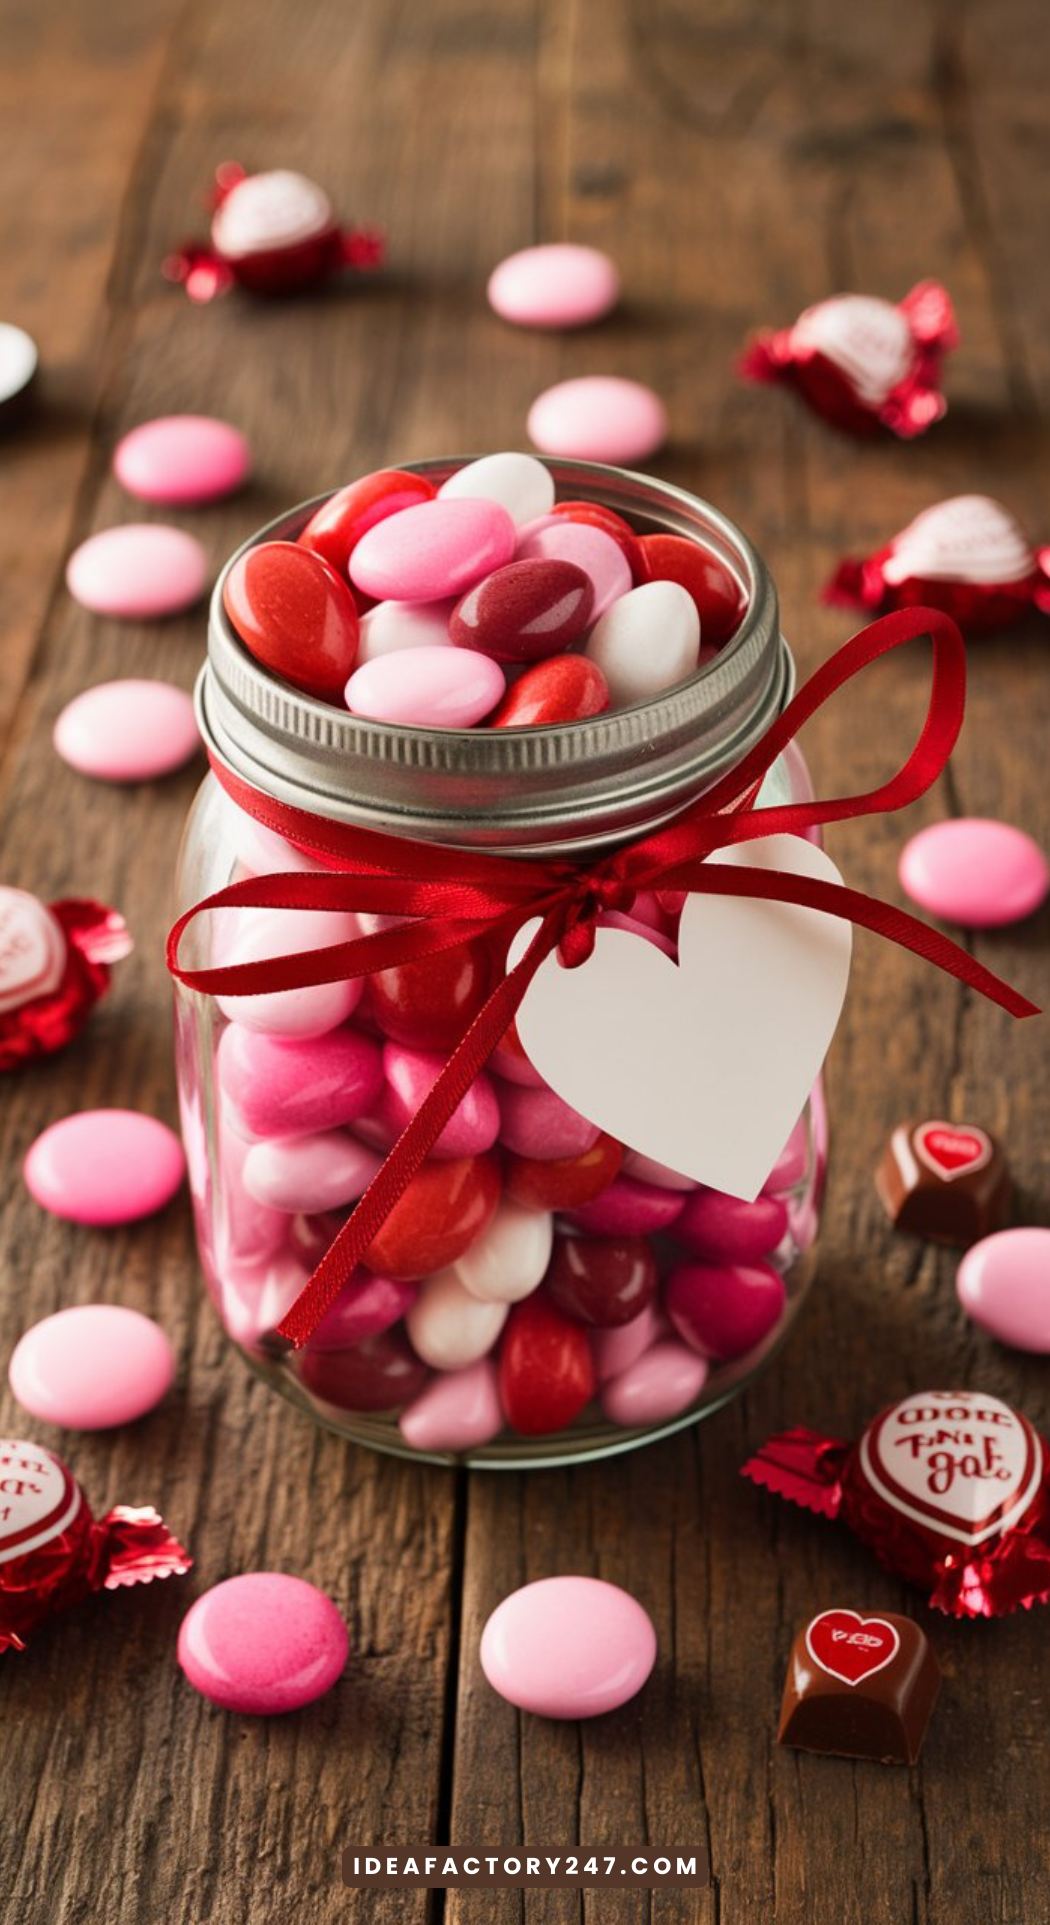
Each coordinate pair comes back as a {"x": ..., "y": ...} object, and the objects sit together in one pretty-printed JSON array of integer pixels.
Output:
[
  {"x": 382, "y": 1373},
  {"x": 246, "y": 1232},
  {"x": 105, "y": 1166},
  {"x": 600, "y": 557},
  {"x": 410, "y": 1075},
  {"x": 1003, "y": 1284},
  {"x": 291, "y": 1087},
  {"x": 630, "y": 1209},
  {"x": 365, "y": 1306},
  {"x": 722, "y": 1229},
  {"x": 724, "y": 1311},
  {"x": 263, "y": 1643},
  {"x": 429, "y": 687},
  {"x": 309, "y": 1174},
  {"x": 438, "y": 548},
  {"x": 525, "y": 611},
  {"x": 458, "y": 1410},
  {"x": 536, "y": 1123},
  {"x": 615, "y": 1349},
  {"x": 658, "y": 1386}
]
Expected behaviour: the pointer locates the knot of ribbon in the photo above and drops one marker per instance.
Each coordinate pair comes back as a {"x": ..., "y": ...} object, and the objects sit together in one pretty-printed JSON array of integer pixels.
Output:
[{"x": 445, "y": 898}]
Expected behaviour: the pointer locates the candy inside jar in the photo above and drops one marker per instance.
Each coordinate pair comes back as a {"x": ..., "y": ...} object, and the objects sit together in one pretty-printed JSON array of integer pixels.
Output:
[{"x": 541, "y": 1290}]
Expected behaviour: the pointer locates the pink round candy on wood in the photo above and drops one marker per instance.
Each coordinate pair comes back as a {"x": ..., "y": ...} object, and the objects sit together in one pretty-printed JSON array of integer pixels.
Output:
[
  {"x": 309, "y": 1173},
  {"x": 658, "y": 1386},
  {"x": 105, "y": 1166},
  {"x": 568, "y": 1647},
  {"x": 137, "y": 571},
  {"x": 630, "y": 1209},
  {"x": 429, "y": 688},
  {"x": 724, "y": 1311},
  {"x": 722, "y": 1229},
  {"x": 182, "y": 459},
  {"x": 410, "y": 1076},
  {"x": 536, "y": 1123},
  {"x": 91, "y": 1367},
  {"x": 128, "y": 731},
  {"x": 293, "y": 1086},
  {"x": 263, "y": 1643},
  {"x": 1003, "y": 1284},
  {"x": 600, "y": 557},
  {"x": 458, "y": 1410},
  {"x": 264, "y": 933},
  {"x": 975, "y": 871},
  {"x": 558, "y": 285},
  {"x": 438, "y": 548},
  {"x": 598, "y": 417}
]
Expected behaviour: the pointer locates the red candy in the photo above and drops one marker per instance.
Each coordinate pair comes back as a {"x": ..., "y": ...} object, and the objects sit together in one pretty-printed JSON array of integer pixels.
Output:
[
  {"x": 295, "y": 615},
  {"x": 334, "y": 531},
  {"x": 968, "y": 556},
  {"x": 546, "y": 1371},
  {"x": 446, "y": 1205},
  {"x": 525, "y": 611},
  {"x": 603, "y": 1281},
  {"x": 568, "y": 688},
  {"x": 565, "y": 1182},
  {"x": 714, "y": 588},
  {"x": 53, "y": 1553},
  {"x": 949, "y": 1488},
  {"x": 382, "y": 1373},
  {"x": 428, "y": 1005},
  {"x": 723, "y": 1312},
  {"x": 54, "y": 965},
  {"x": 610, "y": 523},
  {"x": 364, "y": 1307},
  {"x": 272, "y": 233}
]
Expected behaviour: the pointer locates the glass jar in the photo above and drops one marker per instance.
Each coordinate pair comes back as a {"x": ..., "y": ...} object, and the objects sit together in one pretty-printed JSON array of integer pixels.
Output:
[{"x": 286, "y": 1108}]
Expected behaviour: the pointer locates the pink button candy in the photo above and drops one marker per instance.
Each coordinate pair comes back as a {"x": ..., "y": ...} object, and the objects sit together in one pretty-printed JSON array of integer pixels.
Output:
[
  {"x": 601, "y": 558},
  {"x": 137, "y": 571},
  {"x": 431, "y": 687},
  {"x": 294, "y": 1086},
  {"x": 182, "y": 459},
  {"x": 263, "y": 1643},
  {"x": 128, "y": 731},
  {"x": 560, "y": 285},
  {"x": 1003, "y": 1283},
  {"x": 91, "y": 1367},
  {"x": 438, "y": 548},
  {"x": 568, "y": 1647},
  {"x": 659, "y": 1386},
  {"x": 458, "y": 1410},
  {"x": 598, "y": 417},
  {"x": 974, "y": 871},
  {"x": 105, "y": 1166}
]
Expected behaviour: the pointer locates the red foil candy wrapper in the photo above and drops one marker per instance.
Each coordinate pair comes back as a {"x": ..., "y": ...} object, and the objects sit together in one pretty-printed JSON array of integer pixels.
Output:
[
  {"x": 967, "y": 555},
  {"x": 864, "y": 363},
  {"x": 271, "y": 233},
  {"x": 54, "y": 966},
  {"x": 949, "y": 1488},
  {"x": 53, "y": 1553}
]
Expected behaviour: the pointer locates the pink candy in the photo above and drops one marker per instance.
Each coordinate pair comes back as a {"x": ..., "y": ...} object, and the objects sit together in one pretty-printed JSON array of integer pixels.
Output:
[
  {"x": 600, "y": 557},
  {"x": 662, "y": 1383},
  {"x": 458, "y": 1410},
  {"x": 630, "y": 1209},
  {"x": 721, "y": 1229},
  {"x": 309, "y": 1173},
  {"x": 287, "y": 1087},
  {"x": 263, "y": 1643},
  {"x": 432, "y": 687},
  {"x": 411, "y": 1073},
  {"x": 536, "y": 1123},
  {"x": 438, "y": 548}
]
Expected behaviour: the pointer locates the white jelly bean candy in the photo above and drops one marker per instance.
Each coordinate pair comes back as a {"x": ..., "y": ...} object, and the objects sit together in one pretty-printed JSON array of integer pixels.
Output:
[
  {"x": 448, "y": 1327},
  {"x": 286, "y": 932},
  {"x": 430, "y": 687},
  {"x": 520, "y": 483},
  {"x": 509, "y": 1259},
  {"x": 309, "y": 1173},
  {"x": 391, "y": 626},
  {"x": 457, "y": 1411},
  {"x": 647, "y": 641}
]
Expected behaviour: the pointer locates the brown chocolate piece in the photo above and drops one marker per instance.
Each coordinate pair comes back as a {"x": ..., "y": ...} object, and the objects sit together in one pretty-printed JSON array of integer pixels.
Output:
[
  {"x": 946, "y": 1182},
  {"x": 862, "y": 1687}
]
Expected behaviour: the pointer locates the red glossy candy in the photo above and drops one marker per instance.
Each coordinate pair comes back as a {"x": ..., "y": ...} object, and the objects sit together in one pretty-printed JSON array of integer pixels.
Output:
[
  {"x": 568, "y": 688},
  {"x": 382, "y": 1373},
  {"x": 446, "y": 1205},
  {"x": 603, "y": 1281},
  {"x": 295, "y": 615},
  {"x": 334, "y": 531},
  {"x": 609, "y": 523},
  {"x": 566, "y": 1181},
  {"x": 717, "y": 593},
  {"x": 723, "y": 1312},
  {"x": 546, "y": 1371},
  {"x": 427, "y": 1005},
  {"x": 525, "y": 611}
]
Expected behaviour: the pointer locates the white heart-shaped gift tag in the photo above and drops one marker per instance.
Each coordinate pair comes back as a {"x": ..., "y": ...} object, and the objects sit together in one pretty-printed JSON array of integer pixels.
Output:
[
  {"x": 969, "y": 538},
  {"x": 867, "y": 339},
  {"x": 703, "y": 1065}
]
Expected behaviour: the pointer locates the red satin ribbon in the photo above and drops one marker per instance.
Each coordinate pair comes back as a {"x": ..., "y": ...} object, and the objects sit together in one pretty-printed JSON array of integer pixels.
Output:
[{"x": 452, "y": 896}]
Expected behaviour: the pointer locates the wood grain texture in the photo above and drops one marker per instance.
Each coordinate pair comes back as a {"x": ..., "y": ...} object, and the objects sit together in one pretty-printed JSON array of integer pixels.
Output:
[{"x": 739, "y": 161}]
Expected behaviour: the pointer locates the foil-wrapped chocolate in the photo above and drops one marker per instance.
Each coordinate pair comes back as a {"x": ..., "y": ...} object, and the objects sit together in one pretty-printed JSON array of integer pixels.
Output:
[
  {"x": 863, "y": 363},
  {"x": 861, "y": 1687},
  {"x": 968, "y": 556},
  {"x": 272, "y": 233},
  {"x": 54, "y": 965},
  {"x": 944, "y": 1182}
]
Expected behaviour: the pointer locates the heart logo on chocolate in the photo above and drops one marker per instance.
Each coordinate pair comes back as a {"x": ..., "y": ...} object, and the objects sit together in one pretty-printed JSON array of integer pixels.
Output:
[
  {"x": 32, "y": 949},
  {"x": 38, "y": 1498},
  {"x": 951, "y": 1151},
  {"x": 960, "y": 1463},
  {"x": 703, "y": 1065},
  {"x": 867, "y": 339},
  {"x": 969, "y": 538},
  {"x": 849, "y": 1647}
]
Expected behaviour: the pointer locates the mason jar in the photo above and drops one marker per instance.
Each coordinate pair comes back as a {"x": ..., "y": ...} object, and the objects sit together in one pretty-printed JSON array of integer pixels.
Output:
[{"x": 663, "y": 1297}]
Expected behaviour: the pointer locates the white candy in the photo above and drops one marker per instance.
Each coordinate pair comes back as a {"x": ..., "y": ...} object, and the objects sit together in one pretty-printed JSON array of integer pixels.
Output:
[
  {"x": 648, "y": 640},
  {"x": 448, "y": 1327},
  {"x": 509, "y": 1259},
  {"x": 309, "y": 1173},
  {"x": 520, "y": 483},
  {"x": 285, "y": 932},
  {"x": 390, "y": 626}
]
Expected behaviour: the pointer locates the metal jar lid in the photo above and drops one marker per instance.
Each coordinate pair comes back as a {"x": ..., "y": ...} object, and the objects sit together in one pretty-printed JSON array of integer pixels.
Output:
[{"x": 576, "y": 785}]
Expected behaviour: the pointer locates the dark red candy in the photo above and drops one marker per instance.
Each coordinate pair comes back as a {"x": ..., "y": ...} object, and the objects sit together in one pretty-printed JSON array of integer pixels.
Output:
[
  {"x": 567, "y": 688},
  {"x": 566, "y": 1181},
  {"x": 447, "y": 1204},
  {"x": 428, "y": 1005},
  {"x": 610, "y": 523},
  {"x": 546, "y": 1371},
  {"x": 602, "y": 1280},
  {"x": 295, "y": 615},
  {"x": 525, "y": 611},
  {"x": 334, "y": 531},
  {"x": 382, "y": 1373},
  {"x": 715, "y": 590}
]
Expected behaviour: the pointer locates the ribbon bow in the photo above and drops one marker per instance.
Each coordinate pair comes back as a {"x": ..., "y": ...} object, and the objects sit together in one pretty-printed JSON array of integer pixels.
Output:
[{"x": 450, "y": 897}]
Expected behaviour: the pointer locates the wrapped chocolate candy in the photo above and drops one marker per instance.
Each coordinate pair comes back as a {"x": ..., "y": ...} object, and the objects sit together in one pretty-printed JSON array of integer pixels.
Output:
[
  {"x": 54, "y": 1553},
  {"x": 968, "y": 556},
  {"x": 949, "y": 1488},
  {"x": 864, "y": 363},
  {"x": 945, "y": 1182},
  {"x": 272, "y": 233},
  {"x": 54, "y": 965}
]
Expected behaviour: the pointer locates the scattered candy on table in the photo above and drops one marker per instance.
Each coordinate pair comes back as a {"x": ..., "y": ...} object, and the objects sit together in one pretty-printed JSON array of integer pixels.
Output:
[
  {"x": 945, "y": 1182},
  {"x": 138, "y": 571},
  {"x": 129, "y": 731},
  {"x": 968, "y": 556},
  {"x": 55, "y": 962},
  {"x": 860, "y": 1687},
  {"x": 599, "y": 417},
  {"x": 105, "y": 1167},
  {"x": 92, "y": 1366},
  {"x": 54, "y": 1553},
  {"x": 182, "y": 459},
  {"x": 272, "y": 233},
  {"x": 557, "y": 285},
  {"x": 263, "y": 1643},
  {"x": 568, "y": 1647},
  {"x": 864, "y": 363},
  {"x": 19, "y": 362},
  {"x": 1003, "y": 1284},
  {"x": 975, "y": 871}
]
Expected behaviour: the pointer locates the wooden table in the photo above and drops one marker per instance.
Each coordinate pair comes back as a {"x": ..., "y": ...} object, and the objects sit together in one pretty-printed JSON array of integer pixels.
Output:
[{"x": 738, "y": 161}]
